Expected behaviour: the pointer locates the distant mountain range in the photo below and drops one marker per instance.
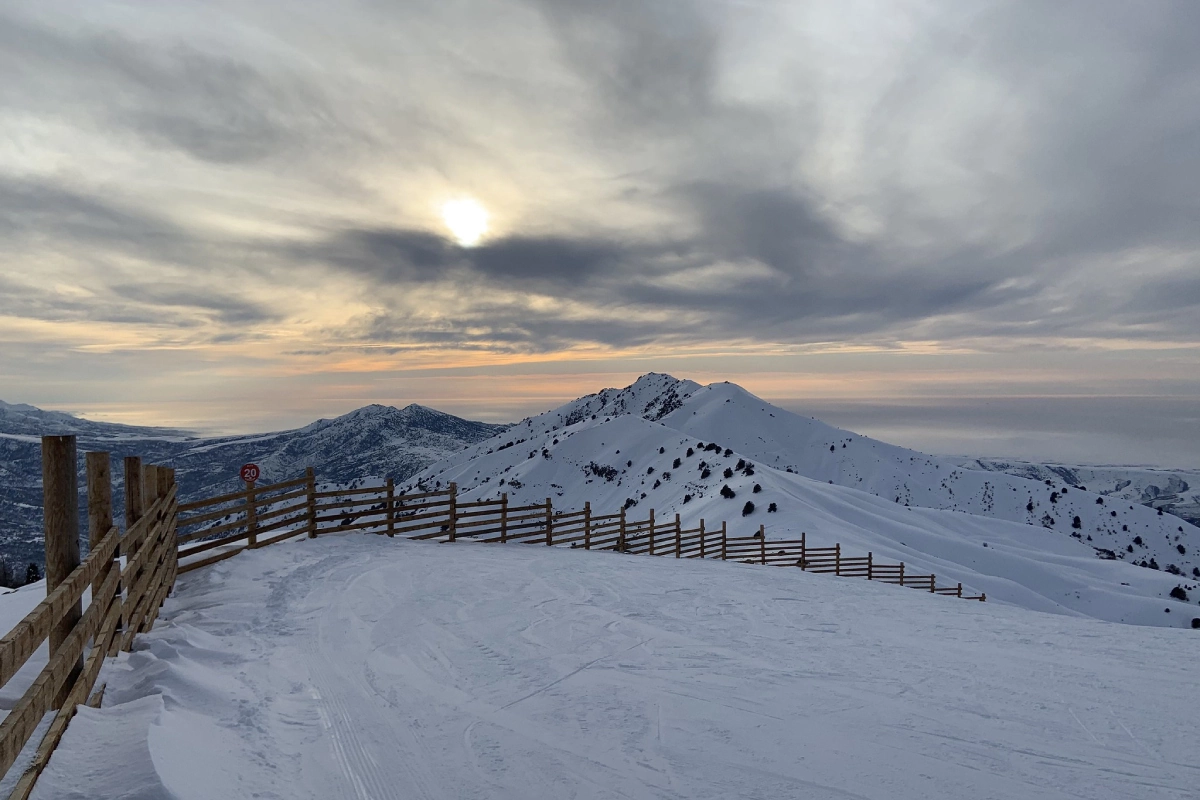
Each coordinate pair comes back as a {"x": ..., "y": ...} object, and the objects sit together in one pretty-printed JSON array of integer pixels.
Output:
[{"x": 374, "y": 440}]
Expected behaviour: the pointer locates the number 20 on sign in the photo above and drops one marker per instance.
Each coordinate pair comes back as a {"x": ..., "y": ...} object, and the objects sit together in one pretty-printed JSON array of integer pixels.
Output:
[{"x": 250, "y": 473}]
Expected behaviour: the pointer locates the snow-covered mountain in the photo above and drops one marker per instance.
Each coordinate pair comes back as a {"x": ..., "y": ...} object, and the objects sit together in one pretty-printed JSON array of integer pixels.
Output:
[
  {"x": 371, "y": 441},
  {"x": 1175, "y": 491},
  {"x": 718, "y": 452}
]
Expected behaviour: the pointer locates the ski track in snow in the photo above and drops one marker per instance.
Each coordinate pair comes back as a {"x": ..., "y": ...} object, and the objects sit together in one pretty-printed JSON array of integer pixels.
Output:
[{"x": 354, "y": 666}]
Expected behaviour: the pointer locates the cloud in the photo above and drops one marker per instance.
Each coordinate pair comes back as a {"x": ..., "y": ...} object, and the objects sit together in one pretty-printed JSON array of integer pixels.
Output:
[
  {"x": 42, "y": 209},
  {"x": 228, "y": 308},
  {"x": 391, "y": 256},
  {"x": 667, "y": 173},
  {"x": 215, "y": 107},
  {"x": 651, "y": 65}
]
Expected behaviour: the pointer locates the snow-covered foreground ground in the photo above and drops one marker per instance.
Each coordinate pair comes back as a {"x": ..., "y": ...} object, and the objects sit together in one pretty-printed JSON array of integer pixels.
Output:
[{"x": 359, "y": 667}]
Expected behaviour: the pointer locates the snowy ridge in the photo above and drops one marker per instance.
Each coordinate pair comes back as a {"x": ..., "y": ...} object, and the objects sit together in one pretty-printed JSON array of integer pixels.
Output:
[{"x": 836, "y": 487}]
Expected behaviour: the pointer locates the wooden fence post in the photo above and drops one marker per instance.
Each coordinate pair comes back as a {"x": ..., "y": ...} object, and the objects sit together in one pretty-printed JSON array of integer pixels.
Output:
[
  {"x": 134, "y": 509},
  {"x": 310, "y": 500},
  {"x": 621, "y": 535},
  {"x": 901, "y": 573},
  {"x": 803, "y": 551},
  {"x": 251, "y": 516},
  {"x": 99, "y": 506},
  {"x": 870, "y": 565},
  {"x": 504, "y": 518},
  {"x": 164, "y": 481},
  {"x": 549, "y": 523},
  {"x": 587, "y": 525},
  {"x": 702, "y": 537},
  {"x": 837, "y": 558},
  {"x": 60, "y": 502},
  {"x": 173, "y": 552},
  {"x": 149, "y": 474},
  {"x": 651, "y": 532},
  {"x": 724, "y": 540},
  {"x": 762, "y": 542},
  {"x": 453, "y": 510},
  {"x": 960, "y": 590},
  {"x": 391, "y": 508},
  {"x": 678, "y": 536},
  {"x": 933, "y": 584}
]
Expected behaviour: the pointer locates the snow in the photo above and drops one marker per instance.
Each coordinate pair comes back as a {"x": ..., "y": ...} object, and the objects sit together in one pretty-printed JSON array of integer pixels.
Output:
[
  {"x": 962, "y": 525},
  {"x": 362, "y": 667},
  {"x": 14, "y": 605},
  {"x": 1176, "y": 490}
]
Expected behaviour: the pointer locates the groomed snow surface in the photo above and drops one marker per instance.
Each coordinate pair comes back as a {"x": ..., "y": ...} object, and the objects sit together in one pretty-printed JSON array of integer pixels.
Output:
[{"x": 356, "y": 666}]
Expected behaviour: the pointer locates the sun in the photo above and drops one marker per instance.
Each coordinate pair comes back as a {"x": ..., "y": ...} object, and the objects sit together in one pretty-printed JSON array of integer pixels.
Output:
[{"x": 466, "y": 219}]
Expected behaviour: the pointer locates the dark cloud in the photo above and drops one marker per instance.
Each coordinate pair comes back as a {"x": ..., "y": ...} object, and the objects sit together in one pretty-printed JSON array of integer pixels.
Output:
[
  {"x": 61, "y": 217},
  {"x": 651, "y": 64},
  {"x": 395, "y": 255},
  {"x": 771, "y": 225},
  {"x": 228, "y": 308},
  {"x": 216, "y": 108}
]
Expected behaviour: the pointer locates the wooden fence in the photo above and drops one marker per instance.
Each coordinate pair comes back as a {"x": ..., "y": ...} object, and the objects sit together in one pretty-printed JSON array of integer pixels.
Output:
[
  {"x": 124, "y": 601},
  {"x": 224, "y": 526}
]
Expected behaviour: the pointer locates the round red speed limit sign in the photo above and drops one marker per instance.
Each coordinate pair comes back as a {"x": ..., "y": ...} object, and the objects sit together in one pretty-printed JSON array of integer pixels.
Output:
[{"x": 250, "y": 472}]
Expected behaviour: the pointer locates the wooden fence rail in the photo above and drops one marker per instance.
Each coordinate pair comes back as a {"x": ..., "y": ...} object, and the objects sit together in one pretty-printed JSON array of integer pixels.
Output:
[{"x": 125, "y": 597}]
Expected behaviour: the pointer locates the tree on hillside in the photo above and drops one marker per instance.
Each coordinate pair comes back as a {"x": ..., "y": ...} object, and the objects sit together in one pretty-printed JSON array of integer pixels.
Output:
[
  {"x": 32, "y": 573},
  {"x": 8, "y": 579}
]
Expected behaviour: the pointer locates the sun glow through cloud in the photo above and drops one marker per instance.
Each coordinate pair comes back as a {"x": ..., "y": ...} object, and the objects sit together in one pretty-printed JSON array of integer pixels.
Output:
[{"x": 466, "y": 219}]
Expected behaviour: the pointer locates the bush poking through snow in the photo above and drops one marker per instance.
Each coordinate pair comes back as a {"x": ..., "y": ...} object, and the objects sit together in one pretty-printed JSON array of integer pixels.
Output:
[
  {"x": 1179, "y": 593},
  {"x": 771, "y": 509},
  {"x": 601, "y": 471},
  {"x": 747, "y": 509},
  {"x": 728, "y": 493}
]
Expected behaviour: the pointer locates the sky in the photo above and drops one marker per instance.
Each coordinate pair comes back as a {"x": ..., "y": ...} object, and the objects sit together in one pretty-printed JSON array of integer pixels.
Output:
[{"x": 242, "y": 216}]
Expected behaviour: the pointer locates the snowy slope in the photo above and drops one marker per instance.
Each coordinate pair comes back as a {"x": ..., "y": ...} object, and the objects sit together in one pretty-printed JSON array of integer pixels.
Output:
[
  {"x": 359, "y": 667},
  {"x": 627, "y": 460},
  {"x": 1176, "y": 491},
  {"x": 1116, "y": 529}
]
